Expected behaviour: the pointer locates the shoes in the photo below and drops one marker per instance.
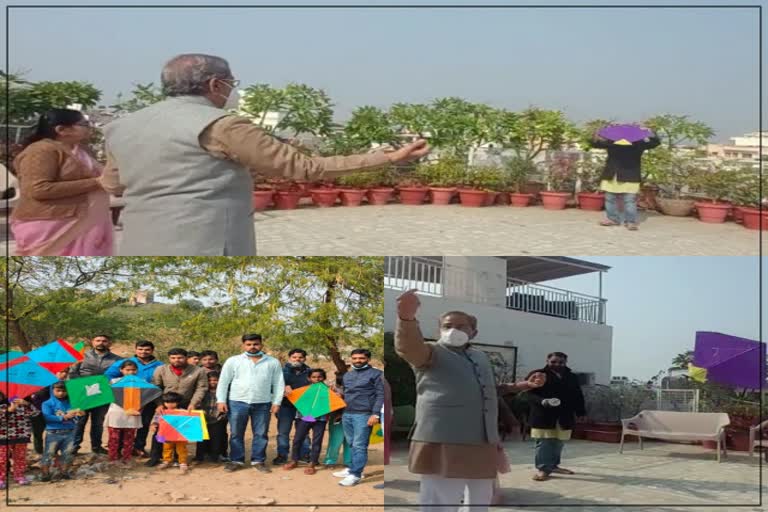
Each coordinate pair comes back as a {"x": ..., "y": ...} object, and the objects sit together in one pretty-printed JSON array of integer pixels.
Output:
[
  {"x": 350, "y": 481},
  {"x": 23, "y": 481},
  {"x": 184, "y": 468},
  {"x": 234, "y": 466},
  {"x": 279, "y": 460},
  {"x": 99, "y": 450},
  {"x": 152, "y": 463},
  {"x": 260, "y": 467},
  {"x": 306, "y": 459},
  {"x": 345, "y": 474},
  {"x": 45, "y": 478},
  {"x": 164, "y": 465},
  {"x": 2, "y": 485},
  {"x": 139, "y": 453},
  {"x": 66, "y": 475}
]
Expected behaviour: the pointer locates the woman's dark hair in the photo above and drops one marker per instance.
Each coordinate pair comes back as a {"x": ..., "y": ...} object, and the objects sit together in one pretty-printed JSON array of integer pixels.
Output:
[
  {"x": 46, "y": 125},
  {"x": 177, "y": 352},
  {"x": 172, "y": 398},
  {"x": 320, "y": 371},
  {"x": 128, "y": 362},
  {"x": 192, "y": 353},
  {"x": 213, "y": 374},
  {"x": 211, "y": 353}
]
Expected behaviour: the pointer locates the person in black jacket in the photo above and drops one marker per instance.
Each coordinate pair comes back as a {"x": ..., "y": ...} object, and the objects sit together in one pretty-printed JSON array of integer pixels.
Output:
[
  {"x": 295, "y": 375},
  {"x": 554, "y": 408},
  {"x": 622, "y": 177}
]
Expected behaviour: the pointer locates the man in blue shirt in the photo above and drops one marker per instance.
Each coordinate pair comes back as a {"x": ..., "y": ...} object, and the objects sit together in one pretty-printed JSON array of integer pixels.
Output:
[
  {"x": 251, "y": 386},
  {"x": 147, "y": 363},
  {"x": 364, "y": 395}
]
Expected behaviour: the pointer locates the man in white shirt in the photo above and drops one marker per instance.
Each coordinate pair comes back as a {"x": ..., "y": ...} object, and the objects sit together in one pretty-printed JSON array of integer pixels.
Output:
[{"x": 251, "y": 386}]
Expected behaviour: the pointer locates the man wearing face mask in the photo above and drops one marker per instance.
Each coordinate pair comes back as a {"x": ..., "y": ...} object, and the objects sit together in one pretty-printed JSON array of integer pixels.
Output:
[
  {"x": 295, "y": 375},
  {"x": 454, "y": 441},
  {"x": 251, "y": 386},
  {"x": 183, "y": 165},
  {"x": 364, "y": 396}
]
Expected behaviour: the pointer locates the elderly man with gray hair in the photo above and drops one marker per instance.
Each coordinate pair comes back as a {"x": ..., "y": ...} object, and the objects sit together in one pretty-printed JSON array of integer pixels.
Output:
[{"x": 183, "y": 165}]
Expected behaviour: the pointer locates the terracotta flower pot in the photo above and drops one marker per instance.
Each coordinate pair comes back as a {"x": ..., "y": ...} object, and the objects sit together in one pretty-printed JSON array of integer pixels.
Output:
[
  {"x": 352, "y": 196},
  {"x": 752, "y": 218},
  {"x": 490, "y": 198},
  {"x": 441, "y": 195},
  {"x": 472, "y": 197},
  {"x": 738, "y": 214},
  {"x": 592, "y": 201},
  {"x": 675, "y": 207},
  {"x": 554, "y": 200},
  {"x": 413, "y": 196},
  {"x": 713, "y": 213},
  {"x": 324, "y": 197},
  {"x": 304, "y": 187},
  {"x": 712, "y": 445},
  {"x": 287, "y": 199},
  {"x": 603, "y": 436},
  {"x": 502, "y": 198},
  {"x": 737, "y": 439},
  {"x": 516, "y": 199},
  {"x": 262, "y": 199},
  {"x": 380, "y": 195}
]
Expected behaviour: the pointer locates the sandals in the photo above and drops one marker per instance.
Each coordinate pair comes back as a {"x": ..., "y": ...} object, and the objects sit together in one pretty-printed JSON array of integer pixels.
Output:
[
  {"x": 608, "y": 223},
  {"x": 563, "y": 471},
  {"x": 291, "y": 465},
  {"x": 184, "y": 469},
  {"x": 164, "y": 465},
  {"x": 632, "y": 227},
  {"x": 310, "y": 471},
  {"x": 540, "y": 477}
]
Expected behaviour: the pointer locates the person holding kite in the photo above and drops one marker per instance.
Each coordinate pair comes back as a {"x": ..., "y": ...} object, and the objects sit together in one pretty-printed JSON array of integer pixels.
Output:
[
  {"x": 171, "y": 403},
  {"x": 122, "y": 424},
  {"x": 625, "y": 145},
  {"x": 304, "y": 425},
  {"x": 15, "y": 434}
]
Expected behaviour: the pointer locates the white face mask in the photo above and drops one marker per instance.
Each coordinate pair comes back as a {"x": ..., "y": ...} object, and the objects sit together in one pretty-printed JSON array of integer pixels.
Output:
[
  {"x": 453, "y": 338},
  {"x": 232, "y": 101}
]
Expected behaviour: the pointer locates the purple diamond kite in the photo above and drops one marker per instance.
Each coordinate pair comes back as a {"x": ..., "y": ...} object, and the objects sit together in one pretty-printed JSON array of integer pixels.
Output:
[{"x": 628, "y": 132}]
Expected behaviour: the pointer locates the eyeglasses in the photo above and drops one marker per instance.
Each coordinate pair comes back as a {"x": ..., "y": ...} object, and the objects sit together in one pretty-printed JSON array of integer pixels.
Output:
[{"x": 231, "y": 81}]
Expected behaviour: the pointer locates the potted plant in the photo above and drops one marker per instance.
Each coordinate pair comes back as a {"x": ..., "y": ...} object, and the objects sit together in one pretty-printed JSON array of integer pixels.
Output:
[
  {"x": 263, "y": 194},
  {"x": 745, "y": 192},
  {"x": 717, "y": 185},
  {"x": 518, "y": 171},
  {"x": 324, "y": 193},
  {"x": 381, "y": 190},
  {"x": 471, "y": 191},
  {"x": 353, "y": 188},
  {"x": 287, "y": 194},
  {"x": 411, "y": 189},
  {"x": 561, "y": 177},
  {"x": 675, "y": 179},
  {"x": 589, "y": 171},
  {"x": 442, "y": 178},
  {"x": 493, "y": 181},
  {"x": 750, "y": 209}
]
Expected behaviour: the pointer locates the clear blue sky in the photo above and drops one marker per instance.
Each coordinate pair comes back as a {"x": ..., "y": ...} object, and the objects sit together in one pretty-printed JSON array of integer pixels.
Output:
[
  {"x": 656, "y": 304},
  {"x": 623, "y": 64}
]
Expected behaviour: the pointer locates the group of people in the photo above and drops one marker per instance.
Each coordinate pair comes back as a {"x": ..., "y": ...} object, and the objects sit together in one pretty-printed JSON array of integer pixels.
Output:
[
  {"x": 183, "y": 167},
  {"x": 456, "y": 443},
  {"x": 250, "y": 386}
]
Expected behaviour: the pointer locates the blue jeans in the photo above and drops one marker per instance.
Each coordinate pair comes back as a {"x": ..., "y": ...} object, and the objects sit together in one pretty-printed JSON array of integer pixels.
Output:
[
  {"x": 357, "y": 433},
  {"x": 630, "y": 208},
  {"x": 548, "y": 453},
  {"x": 286, "y": 418},
  {"x": 58, "y": 440},
  {"x": 239, "y": 414}
]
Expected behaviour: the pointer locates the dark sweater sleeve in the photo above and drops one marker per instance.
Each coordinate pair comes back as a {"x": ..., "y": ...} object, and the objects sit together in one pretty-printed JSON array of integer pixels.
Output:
[
  {"x": 379, "y": 397},
  {"x": 600, "y": 143},
  {"x": 652, "y": 142}
]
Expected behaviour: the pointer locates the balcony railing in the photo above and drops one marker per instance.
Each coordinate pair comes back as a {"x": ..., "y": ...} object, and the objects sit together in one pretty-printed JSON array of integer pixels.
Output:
[{"x": 432, "y": 278}]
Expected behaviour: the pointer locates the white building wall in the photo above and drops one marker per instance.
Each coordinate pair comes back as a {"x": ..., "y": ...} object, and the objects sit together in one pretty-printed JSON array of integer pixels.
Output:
[
  {"x": 589, "y": 346},
  {"x": 482, "y": 278}
]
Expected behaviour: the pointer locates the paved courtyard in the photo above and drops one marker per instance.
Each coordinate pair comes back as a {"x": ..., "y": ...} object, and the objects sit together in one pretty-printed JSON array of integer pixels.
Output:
[
  {"x": 666, "y": 477},
  {"x": 499, "y": 230}
]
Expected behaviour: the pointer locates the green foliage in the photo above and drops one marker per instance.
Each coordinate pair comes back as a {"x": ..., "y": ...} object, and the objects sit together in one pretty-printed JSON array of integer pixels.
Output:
[
  {"x": 674, "y": 174},
  {"x": 589, "y": 171},
  {"x": 445, "y": 173},
  {"x": 718, "y": 184},
  {"x": 746, "y": 190},
  {"x": 537, "y": 129},
  {"x": 411, "y": 118},
  {"x": 27, "y": 100},
  {"x": 359, "y": 180},
  {"x": 369, "y": 125},
  {"x": 487, "y": 178},
  {"x": 143, "y": 95},
  {"x": 586, "y": 133},
  {"x": 519, "y": 171},
  {"x": 303, "y": 108},
  {"x": 674, "y": 130},
  {"x": 561, "y": 174},
  {"x": 683, "y": 360}
]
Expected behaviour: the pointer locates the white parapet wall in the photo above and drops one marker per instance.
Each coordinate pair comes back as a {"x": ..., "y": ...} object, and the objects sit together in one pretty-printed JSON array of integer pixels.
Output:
[{"x": 589, "y": 346}]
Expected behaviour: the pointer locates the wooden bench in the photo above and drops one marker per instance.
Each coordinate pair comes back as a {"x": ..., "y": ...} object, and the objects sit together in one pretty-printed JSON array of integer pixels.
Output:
[{"x": 677, "y": 426}]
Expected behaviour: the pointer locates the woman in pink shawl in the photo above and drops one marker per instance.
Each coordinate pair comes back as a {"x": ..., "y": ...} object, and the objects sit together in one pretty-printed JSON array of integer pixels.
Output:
[{"x": 62, "y": 209}]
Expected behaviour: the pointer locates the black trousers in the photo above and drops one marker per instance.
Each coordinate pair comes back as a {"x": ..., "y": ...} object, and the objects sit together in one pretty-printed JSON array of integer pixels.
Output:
[
  {"x": 302, "y": 431},
  {"x": 146, "y": 419},
  {"x": 38, "y": 427},
  {"x": 216, "y": 446},
  {"x": 96, "y": 417}
]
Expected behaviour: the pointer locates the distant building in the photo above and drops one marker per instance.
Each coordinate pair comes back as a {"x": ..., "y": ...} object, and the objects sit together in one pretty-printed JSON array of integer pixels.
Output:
[
  {"x": 141, "y": 297},
  {"x": 745, "y": 148}
]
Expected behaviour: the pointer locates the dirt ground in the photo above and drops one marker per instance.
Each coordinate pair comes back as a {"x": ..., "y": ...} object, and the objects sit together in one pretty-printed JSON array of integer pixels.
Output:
[{"x": 205, "y": 484}]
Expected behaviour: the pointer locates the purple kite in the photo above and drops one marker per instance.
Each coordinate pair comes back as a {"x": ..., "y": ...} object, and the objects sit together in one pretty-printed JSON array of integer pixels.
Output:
[
  {"x": 627, "y": 132},
  {"x": 730, "y": 360}
]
